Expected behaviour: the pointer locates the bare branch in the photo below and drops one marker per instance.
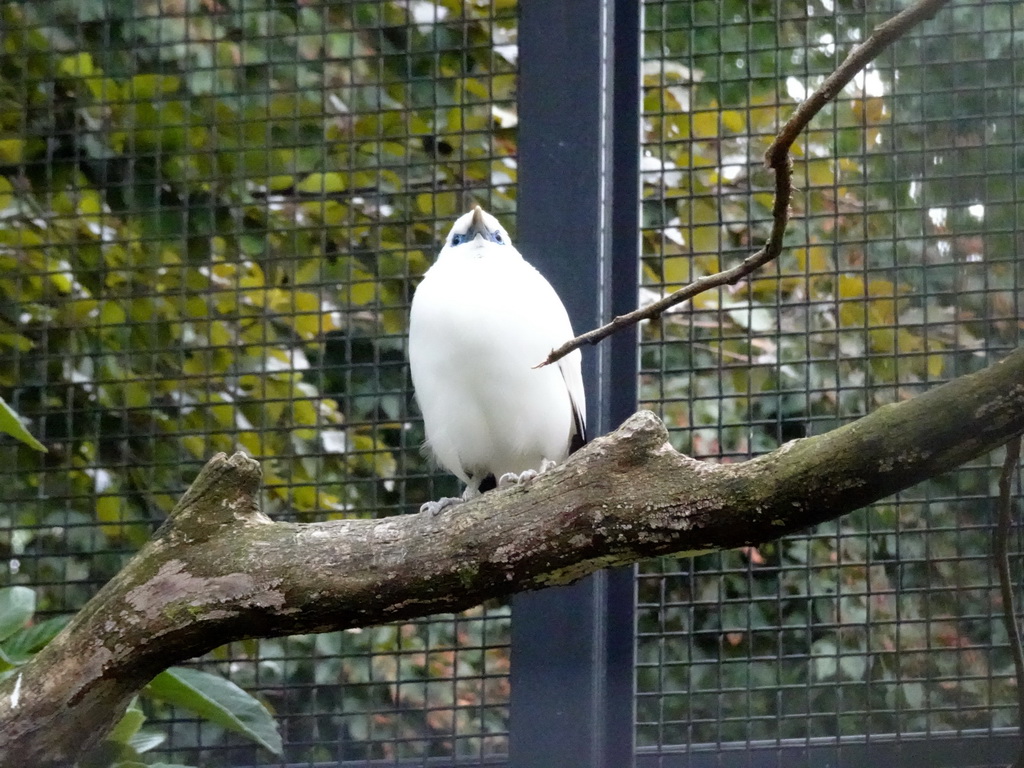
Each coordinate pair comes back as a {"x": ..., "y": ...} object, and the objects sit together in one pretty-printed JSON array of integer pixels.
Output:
[
  {"x": 219, "y": 570},
  {"x": 777, "y": 158}
]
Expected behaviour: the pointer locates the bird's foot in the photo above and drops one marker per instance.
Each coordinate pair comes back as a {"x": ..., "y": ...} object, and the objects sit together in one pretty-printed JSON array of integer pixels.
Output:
[
  {"x": 511, "y": 478},
  {"x": 434, "y": 508},
  {"x": 514, "y": 478}
]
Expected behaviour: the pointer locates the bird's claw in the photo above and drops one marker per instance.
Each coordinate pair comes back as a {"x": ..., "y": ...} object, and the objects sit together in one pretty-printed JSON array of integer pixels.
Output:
[
  {"x": 511, "y": 478},
  {"x": 434, "y": 508},
  {"x": 508, "y": 480}
]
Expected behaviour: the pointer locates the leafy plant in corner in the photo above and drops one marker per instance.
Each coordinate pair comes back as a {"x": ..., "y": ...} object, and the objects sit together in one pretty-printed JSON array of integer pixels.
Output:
[{"x": 210, "y": 696}]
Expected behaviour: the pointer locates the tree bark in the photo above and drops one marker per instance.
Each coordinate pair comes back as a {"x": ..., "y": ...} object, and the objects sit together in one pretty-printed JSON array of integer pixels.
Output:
[{"x": 219, "y": 570}]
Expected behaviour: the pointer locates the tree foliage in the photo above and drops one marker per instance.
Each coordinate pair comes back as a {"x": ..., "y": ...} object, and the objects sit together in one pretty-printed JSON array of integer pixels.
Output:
[
  {"x": 210, "y": 214},
  {"x": 897, "y": 275}
]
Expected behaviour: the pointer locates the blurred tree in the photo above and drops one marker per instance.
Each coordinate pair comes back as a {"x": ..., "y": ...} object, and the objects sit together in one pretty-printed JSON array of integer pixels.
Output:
[{"x": 210, "y": 214}]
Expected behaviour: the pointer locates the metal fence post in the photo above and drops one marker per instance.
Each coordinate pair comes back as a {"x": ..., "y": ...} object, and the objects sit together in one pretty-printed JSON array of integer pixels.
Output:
[{"x": 572, "y": 699}]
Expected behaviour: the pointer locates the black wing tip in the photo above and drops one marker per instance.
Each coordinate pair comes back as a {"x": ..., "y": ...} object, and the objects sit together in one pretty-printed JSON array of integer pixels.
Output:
[{"x": 579, "y": 435}]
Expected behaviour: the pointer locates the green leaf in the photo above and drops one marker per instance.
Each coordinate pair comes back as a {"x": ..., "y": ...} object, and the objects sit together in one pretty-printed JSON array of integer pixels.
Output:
[
  {"x": 323, "y": 183},
  {"x": 78, "y": 65},
  {"x": 129, "y": 724},
  {"x": 218, "y": 700},
  {"x": 17, "y": 604},
  {"x": 24, "y": 643},
  {"x": 10, "y": 423},
  {"x": 6, "y": 193}
]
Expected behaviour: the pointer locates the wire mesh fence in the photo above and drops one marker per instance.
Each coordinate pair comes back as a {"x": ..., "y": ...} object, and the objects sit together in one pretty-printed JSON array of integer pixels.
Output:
[
  {"x": 212, "y": 217},
  {"x": 901, "y": 271}
]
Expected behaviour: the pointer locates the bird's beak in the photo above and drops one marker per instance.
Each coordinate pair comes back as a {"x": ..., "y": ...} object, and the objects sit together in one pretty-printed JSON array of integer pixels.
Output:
[{"x": 477, "y": 225}]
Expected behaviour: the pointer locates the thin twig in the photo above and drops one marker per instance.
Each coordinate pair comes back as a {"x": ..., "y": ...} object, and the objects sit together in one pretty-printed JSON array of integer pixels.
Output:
[
  {"x": 776, "y": 158},
  {"x": 1001, "y": 546}
]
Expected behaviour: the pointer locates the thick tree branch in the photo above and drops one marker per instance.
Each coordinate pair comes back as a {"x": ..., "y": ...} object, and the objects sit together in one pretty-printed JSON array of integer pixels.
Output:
[
  {"x": 219, "y": 570},
  {"x": 777, "y": 158}
]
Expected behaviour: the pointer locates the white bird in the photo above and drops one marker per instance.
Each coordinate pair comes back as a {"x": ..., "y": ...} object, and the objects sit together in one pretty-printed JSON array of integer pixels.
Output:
[{"x": 481, "y": 321}]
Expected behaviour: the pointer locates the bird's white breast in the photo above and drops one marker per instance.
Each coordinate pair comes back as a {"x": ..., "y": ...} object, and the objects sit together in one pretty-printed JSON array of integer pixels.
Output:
[{"x": 480, "y": 321}]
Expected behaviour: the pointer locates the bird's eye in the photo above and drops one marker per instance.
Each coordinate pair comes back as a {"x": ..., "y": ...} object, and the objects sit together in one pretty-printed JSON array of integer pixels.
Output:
[
  {"x": 497, "y": 238},
  {"x": 458, "y": 238}
]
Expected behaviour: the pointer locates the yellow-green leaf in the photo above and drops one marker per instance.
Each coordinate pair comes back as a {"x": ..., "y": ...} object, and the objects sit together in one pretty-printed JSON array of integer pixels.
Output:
[
  {"x": 10, "y": 423},
  {"x": 323, "y": 183},
  {"x": 704, "y": 125},
  {"x": 78, "y": 65},
  {"x": 6, "y": 193},
  {"x": 12, "y": 150},
  {"x": 733, "y": 121}
]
